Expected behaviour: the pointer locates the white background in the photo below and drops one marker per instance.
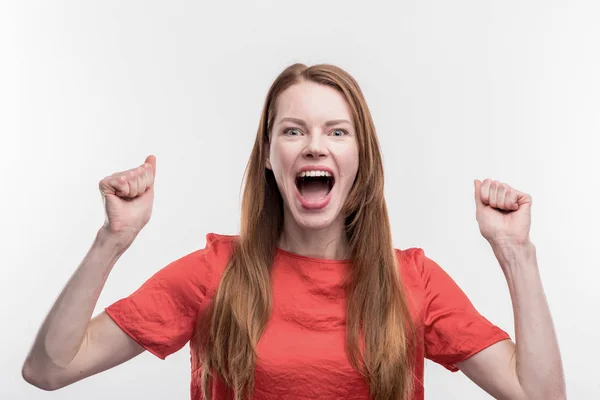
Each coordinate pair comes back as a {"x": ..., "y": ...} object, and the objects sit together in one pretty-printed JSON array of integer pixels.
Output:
[{"x": 458, "y": 90}]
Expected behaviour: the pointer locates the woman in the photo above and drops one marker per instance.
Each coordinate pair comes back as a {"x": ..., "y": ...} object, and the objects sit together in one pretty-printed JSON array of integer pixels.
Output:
[{"x": 311, "y": 300}]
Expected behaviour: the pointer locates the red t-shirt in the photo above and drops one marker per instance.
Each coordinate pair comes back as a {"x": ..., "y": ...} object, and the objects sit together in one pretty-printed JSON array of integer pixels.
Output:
[{"x": 301, "y": 353}]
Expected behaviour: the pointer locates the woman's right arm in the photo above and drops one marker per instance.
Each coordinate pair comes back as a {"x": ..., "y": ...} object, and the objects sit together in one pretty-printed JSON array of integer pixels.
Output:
[{"x": 69, "y": 346}]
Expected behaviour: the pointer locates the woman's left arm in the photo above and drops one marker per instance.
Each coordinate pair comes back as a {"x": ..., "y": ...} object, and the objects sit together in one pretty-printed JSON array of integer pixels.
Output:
[{"x": 531, "y": 368}]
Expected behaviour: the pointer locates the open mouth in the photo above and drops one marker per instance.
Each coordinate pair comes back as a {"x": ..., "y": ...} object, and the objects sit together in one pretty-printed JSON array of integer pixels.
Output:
[{"x": 314, "y": 185}]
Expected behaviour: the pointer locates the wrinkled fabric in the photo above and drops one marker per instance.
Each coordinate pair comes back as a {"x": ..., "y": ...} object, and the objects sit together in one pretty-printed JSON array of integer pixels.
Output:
[{"x": 301, "y": 354}]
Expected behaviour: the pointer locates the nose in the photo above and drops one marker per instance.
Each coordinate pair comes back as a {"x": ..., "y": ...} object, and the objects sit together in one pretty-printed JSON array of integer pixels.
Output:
[{"x": 315, "y": 148}]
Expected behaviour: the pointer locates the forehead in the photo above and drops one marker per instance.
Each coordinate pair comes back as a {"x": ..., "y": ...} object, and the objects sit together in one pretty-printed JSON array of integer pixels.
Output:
[{"x": 313, "y": 102}]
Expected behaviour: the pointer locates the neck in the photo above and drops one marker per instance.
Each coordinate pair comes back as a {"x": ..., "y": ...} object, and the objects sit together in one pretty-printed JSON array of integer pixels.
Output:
[{"x": 327, "y": 243}]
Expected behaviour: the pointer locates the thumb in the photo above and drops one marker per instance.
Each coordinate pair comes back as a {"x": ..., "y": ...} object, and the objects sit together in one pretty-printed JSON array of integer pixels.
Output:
[
  {"x": 478, "y": 202},
  {"x": 151, "y": 159}
]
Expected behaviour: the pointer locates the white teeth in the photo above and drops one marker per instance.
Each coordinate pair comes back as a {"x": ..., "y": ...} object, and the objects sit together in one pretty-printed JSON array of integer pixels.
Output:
[{"x": 313, "y": 173}]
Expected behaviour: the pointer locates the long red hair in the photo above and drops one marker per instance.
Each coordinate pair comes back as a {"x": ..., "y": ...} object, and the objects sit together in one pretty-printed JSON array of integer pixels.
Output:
[{"x": 378, "y": 318}]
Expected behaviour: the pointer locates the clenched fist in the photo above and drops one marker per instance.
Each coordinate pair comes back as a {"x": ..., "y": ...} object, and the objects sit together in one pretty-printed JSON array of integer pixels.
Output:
[{"x": 128, "y": 197}]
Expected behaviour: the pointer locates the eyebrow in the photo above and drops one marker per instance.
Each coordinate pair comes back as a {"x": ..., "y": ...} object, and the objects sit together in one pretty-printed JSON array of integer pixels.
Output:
[{"x": 328, "y": 123}]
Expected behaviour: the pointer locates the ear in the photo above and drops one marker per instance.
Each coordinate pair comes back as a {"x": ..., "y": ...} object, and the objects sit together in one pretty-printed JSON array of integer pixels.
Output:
[{"x": 268, "y": 155}]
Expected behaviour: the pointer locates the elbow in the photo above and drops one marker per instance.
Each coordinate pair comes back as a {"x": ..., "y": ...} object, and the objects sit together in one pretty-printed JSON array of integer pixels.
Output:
[
  {"x": 561, "y": 395},
  {"x": 555, "y": 389},
  {"x": 556, "y": 396},
  {"x": 549, "y": 394},
  {"x": 36, "y": 377}
]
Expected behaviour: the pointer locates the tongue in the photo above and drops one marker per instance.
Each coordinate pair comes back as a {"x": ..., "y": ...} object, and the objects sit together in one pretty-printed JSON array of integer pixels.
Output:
[{"x": 314, "y": 190}]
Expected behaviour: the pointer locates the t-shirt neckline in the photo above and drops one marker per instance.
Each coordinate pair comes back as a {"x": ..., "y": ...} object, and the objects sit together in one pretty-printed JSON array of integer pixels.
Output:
[{"x": 297, "y": 256}]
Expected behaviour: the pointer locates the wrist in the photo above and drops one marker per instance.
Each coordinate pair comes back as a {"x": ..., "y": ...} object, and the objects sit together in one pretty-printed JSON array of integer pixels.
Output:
[
  {"x": 120, "y": 241},
  {"x": 512, "y": 254}
]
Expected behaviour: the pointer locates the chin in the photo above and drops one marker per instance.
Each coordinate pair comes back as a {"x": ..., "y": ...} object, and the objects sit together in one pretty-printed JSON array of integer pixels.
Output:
[{"x": 313, "y": 222}]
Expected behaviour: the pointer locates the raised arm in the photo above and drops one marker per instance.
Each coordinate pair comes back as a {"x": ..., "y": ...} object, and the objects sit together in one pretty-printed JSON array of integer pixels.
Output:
[
  {"x": 532, "y": 367},
  {"x": 69, "y": 345}
]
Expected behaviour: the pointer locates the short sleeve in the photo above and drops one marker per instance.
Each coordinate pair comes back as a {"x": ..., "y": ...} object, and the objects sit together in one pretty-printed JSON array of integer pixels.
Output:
[
  {"x": 453, "y": 329},
  {"x": 161, "y": 314}
]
